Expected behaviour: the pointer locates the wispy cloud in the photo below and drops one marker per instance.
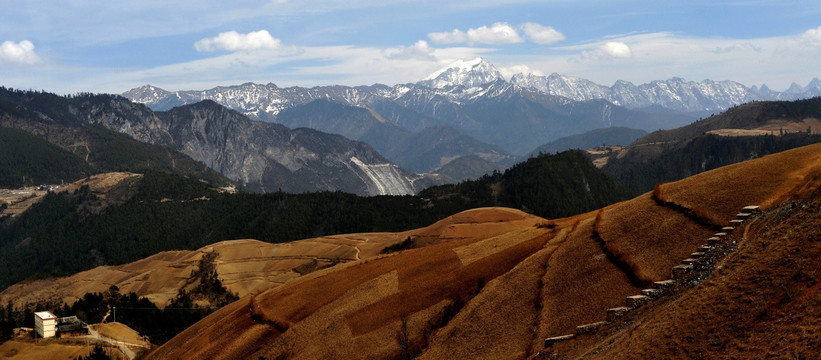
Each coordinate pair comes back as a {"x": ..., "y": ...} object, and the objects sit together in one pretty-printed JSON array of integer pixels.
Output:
[{"x": 21, "y": 52}]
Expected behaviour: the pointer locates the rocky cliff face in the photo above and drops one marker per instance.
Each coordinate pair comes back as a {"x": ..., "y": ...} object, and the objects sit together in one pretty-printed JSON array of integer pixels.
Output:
[{"x": 262, "y": 156}]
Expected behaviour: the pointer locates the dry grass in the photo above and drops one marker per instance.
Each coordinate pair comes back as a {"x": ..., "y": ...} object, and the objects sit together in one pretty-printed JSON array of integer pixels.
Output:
[
  {"x": 479, "y": 287},
  {"x": 769, "y": 180},
  {"x": 763, "y": 301},
  {"x": 498, "y": 322},
  {"x": 251, "y": 266},
  {"x": 364, "y": 303},
  {"x": 43, "y": 349},
  {"x": 580, "y": 283},
  {"x": 650, "y": 238},
  {"x": 120, "y": 332}
]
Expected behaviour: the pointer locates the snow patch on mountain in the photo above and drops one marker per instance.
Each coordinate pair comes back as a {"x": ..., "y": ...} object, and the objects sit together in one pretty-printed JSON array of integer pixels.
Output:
[
  {"x": 467, "y": 74},
  {"x": 469, "y": 80}
]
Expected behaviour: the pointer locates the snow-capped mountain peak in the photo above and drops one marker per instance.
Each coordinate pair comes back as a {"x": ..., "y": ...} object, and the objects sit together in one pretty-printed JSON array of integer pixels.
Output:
[
  {"x": 145, "y": 93},
  {"x": 815, "y": 84},
  {"x": 467, "y": 74},
  {"x": 468, "y": 80}
]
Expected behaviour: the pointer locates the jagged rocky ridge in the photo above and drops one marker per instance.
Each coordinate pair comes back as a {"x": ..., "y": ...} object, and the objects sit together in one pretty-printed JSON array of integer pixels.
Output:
[
  {"x": 269, "y": 157},
  {"x": 675, "y": 94}
]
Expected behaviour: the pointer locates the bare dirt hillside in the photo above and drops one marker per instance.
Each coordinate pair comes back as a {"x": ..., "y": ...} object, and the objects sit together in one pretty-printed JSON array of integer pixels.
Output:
[{"x": 504, "y": 281}]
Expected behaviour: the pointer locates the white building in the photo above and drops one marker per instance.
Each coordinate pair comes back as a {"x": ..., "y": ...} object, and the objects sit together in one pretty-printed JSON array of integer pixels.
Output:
[{"x": 45, "y": 324}]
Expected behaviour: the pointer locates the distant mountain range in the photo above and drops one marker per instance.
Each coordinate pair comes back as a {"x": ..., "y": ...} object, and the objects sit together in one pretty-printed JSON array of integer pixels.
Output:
[
  {"x": 674, "y": 94},
  {"x": 473, "y": 98}
]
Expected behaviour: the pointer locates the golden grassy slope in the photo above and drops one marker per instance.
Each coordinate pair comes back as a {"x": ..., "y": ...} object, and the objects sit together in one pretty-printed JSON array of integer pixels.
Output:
[
  {"x": 489, "y": 293},
  {"x": 762, "y": 301},
  {"x": 45, "y": 349},
  {"x": 420, "y": 285},
  {"x": 250, "y": 266},
  {"x": 492, "y": 283}
]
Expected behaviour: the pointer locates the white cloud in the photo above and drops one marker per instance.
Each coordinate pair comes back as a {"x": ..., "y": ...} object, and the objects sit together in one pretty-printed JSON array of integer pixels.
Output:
[
  {"x": 419, "y": 50},
  {"x": 541, "y": 34},
  {"x": 22, "y": 52},
  {"x": 607, "y": 50},
  {"x": 616, "y": 49},
  {"x": 812, "y": 36},
  {"x": 234, "y": 41},
  {"x": 497, "y": 34}
]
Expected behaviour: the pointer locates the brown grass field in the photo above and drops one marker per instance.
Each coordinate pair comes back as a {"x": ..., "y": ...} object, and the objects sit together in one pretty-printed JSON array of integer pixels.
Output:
[
  {"x": 493, "y": 283},
  {"x": 648, "y": 237},
  {"x": 28, "y": 350},
  {"x": 762, "y": 301},
  {"x": 119, "y": 332},
  {"x": 51, "y": 349}
]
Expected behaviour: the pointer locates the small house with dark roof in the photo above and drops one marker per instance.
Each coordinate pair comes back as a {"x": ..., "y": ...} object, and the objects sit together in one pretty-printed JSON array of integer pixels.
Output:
[{"x": 71, "y": 326}]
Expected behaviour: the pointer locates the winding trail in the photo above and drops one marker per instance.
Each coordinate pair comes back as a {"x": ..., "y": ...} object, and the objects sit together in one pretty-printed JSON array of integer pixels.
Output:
[{"x": 122, "y": 345}]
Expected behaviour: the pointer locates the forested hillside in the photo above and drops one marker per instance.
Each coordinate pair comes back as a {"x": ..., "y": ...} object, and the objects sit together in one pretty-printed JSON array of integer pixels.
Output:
[
  {"x": 70, "y": 232},
  {"x": 549, "y": 186},
  {"x": 29, "y": 160},
  {"x": 41, "y": 118},
  {"x": 698, "y": 155},
  {"x": 747, "y": 132}
]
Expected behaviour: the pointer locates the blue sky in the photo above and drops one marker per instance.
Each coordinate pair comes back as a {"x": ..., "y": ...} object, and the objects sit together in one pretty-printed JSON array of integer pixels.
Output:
[{"x": 113, "y": 46}]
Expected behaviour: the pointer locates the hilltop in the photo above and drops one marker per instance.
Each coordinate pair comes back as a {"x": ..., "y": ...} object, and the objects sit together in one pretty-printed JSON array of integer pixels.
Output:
[{"x": 500, "y": 296}]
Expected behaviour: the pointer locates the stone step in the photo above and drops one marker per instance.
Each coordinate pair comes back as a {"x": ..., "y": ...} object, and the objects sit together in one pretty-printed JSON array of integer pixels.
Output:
[
  {"x": 713, "y": 240},
  {"x": 637, "y": 300},
  {"x": 727, "y": 229},
  {"x": 743, "y": 215},
  {"x": 705, "y": 248},
  {"x": 588, "y": 328},
  {"x": 680, "y": 270},
  {"x": 751, "y": 208},
  {"x": 697, "y": 255},
  {"x": 736, "y": 223},
  {"x": 720, "y": 234},
  {"x": 556, "y": 339},
  {"x": 652, "y": 293},
  {"x": 689, "y": 261},
  {"x": 664, "y": 284},
  {"x": 616, "y": 313}
]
